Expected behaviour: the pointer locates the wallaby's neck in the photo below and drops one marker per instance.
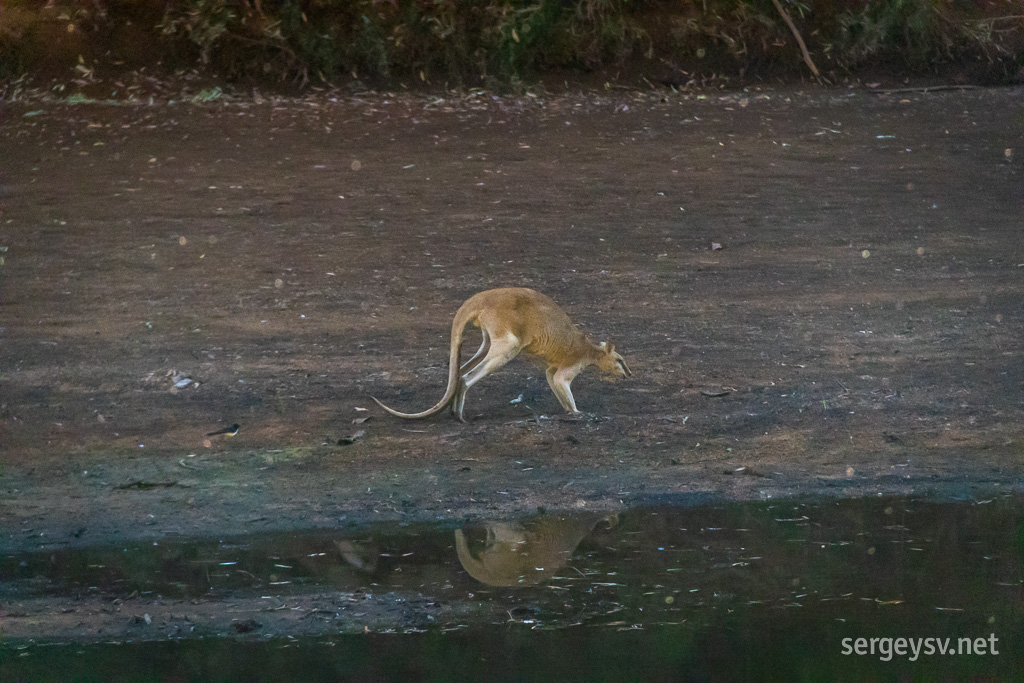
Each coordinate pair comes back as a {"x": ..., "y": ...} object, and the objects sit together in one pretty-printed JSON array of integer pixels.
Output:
[{"x": 594, "y": 352}]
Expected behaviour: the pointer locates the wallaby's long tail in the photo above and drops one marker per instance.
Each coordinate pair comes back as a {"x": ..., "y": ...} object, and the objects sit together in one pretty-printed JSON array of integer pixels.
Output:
[{"x": 454, "y": 361}]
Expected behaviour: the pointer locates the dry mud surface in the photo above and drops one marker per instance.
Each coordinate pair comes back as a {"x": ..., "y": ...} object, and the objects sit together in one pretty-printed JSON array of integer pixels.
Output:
[{"x": 859, "y": 331}]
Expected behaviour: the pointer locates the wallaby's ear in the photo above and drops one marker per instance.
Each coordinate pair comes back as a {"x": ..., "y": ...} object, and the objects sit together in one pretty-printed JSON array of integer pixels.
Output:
[
  {"x": 603, "y": 345},
  {"x": 611, "y": 346}
]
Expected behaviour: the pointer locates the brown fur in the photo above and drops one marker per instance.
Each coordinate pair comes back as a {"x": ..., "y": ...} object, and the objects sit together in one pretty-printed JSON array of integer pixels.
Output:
[{"x": 514, "y": 320}]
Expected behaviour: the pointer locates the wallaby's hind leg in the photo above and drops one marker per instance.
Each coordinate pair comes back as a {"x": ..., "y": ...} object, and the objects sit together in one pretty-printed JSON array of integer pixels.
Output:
[
  {"x": 459, "y": 402},
  {"x": 478, "y": 356},
  {"x": 455, "y": 398},
  {"x": 502, "y": 351},
  {"x": 466, "y": 367}
]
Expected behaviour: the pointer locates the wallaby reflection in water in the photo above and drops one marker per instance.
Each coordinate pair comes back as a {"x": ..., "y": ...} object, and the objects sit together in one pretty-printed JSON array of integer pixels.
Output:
[
  {"x": 512, "y": 554},
  {"x": 362, "y": 556}
]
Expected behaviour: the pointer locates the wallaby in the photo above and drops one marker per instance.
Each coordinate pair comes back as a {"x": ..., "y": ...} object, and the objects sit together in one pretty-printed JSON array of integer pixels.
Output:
[{"x": 514, "y": 320}]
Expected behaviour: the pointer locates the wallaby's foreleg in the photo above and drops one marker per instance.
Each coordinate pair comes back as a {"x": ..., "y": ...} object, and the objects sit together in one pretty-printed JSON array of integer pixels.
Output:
[
  {"x": 557, "y": 390},
  {"x": 559, "y": 380}
]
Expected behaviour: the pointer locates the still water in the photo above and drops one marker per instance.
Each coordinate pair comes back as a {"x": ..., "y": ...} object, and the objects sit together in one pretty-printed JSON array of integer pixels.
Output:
[{"x": 769, "y": 590}]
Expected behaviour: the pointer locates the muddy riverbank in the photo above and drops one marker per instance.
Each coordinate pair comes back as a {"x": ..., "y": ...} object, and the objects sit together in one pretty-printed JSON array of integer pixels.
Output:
[{"x": 173, "y": 268}]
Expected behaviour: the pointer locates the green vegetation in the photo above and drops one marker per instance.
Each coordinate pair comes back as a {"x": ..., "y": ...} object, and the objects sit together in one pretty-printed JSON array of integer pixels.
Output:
[{"x": 502, "y": 42}]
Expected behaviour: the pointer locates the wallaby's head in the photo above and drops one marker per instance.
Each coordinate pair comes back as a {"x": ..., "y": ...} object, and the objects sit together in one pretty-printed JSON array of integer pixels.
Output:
[{"x": 610, "y": 362}]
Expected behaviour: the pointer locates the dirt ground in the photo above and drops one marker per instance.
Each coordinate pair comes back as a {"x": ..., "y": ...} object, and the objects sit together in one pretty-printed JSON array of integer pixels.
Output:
[{"x": 858, "y": 332}]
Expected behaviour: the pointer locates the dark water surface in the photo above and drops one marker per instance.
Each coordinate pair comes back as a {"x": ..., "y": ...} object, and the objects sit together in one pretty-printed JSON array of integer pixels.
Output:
[{"x": 768, "y": 590}]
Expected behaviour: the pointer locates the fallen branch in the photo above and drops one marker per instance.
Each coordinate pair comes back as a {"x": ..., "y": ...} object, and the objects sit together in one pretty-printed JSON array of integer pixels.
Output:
[
  {"x": 799, "y": 39},
  {"x": 921, "y": 89}
]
